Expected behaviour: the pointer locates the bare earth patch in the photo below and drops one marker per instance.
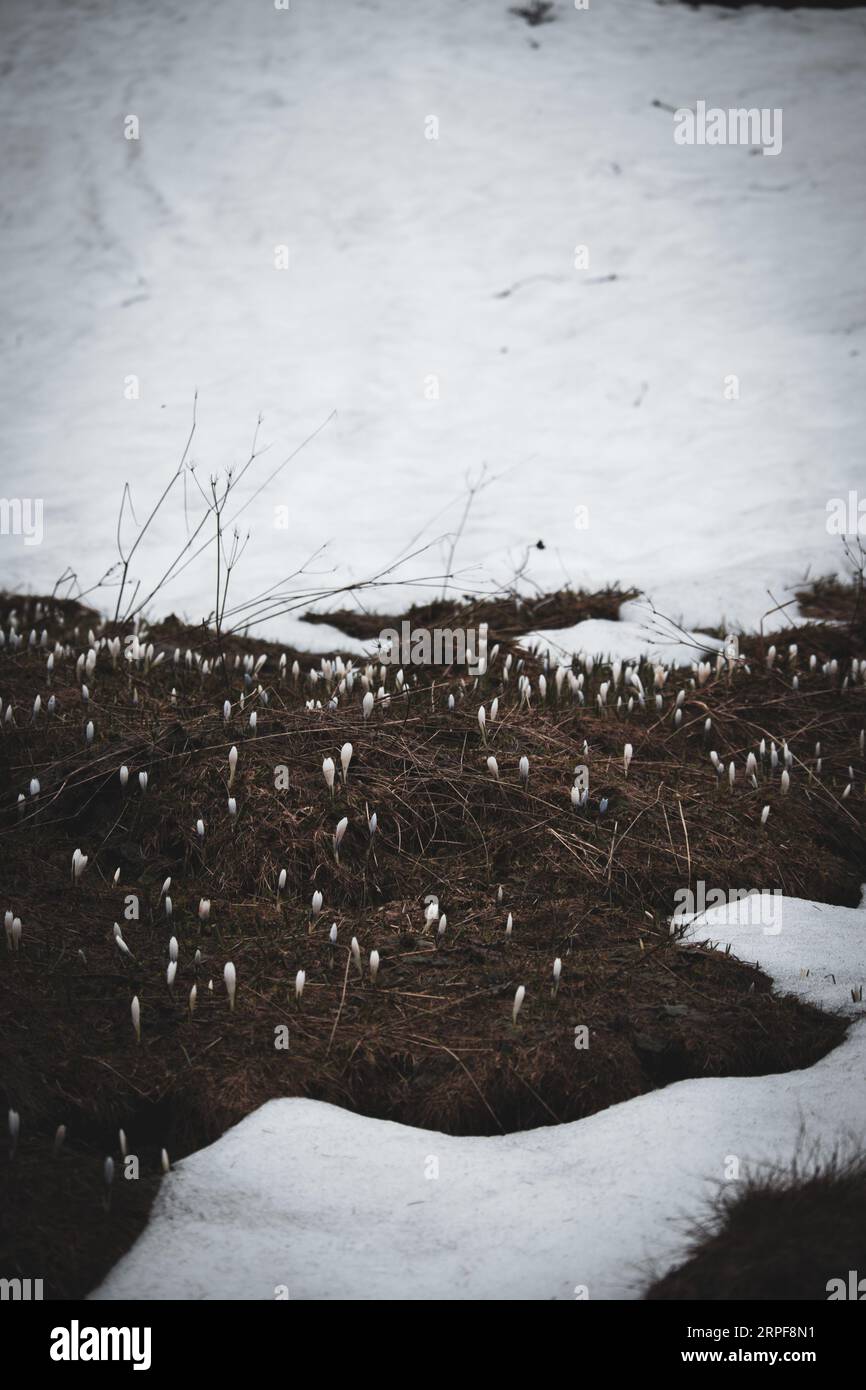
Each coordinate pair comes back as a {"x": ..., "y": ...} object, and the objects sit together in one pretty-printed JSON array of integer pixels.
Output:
[{"x": 431, "y": 1040}]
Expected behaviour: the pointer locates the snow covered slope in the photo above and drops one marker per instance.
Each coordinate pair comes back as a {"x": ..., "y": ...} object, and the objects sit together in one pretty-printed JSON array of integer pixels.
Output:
[
  {"x": 452, "y": 258},
  {"x": 305, "y": 1198}
]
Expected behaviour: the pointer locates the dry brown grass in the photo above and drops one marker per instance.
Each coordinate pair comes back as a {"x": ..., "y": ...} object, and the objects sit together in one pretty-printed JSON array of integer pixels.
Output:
[
  {"x": 508, "y": 617},
  {"x": 782, "y": 1235},
  {"x": 432, "y": 1042}
]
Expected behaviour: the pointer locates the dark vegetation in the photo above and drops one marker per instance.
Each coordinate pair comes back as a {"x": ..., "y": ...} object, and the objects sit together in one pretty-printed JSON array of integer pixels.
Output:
[
  {"x": 508, "y": 617},
  {"x": 783, "y": 1235},
  {"x": 431, "y": 1042}
]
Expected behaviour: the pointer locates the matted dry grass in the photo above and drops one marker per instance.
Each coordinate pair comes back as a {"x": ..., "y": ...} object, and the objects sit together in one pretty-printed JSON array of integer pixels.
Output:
[
  {"x": 431, "y": 1042},
  {"x": 783, "y": 1235}
]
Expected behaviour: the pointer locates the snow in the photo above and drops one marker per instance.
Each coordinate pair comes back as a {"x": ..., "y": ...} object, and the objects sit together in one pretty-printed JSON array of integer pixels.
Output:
[
  {"x": 411, "y": 258},
  {"x": 639, "y": 632},
  {"x": 307, "y": 1200},
  {"x": 810, "y": 949}
]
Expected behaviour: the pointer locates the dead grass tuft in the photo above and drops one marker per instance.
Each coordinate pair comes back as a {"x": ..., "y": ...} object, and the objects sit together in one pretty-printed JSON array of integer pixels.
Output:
[{"x": 432, "y": 1042}]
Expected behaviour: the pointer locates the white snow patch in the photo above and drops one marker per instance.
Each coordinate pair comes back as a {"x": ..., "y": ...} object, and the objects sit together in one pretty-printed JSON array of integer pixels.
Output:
[
  {"x": 412, "y": 258},
  {"x": 332, "y": 1205},
  {"x": 639, "y": 632},
  {"x": 812, "y": 950}
]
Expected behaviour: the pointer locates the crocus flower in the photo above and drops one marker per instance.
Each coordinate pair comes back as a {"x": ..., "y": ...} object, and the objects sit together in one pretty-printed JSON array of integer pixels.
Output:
[
  {"x": 518, "y": 1002},
  {"x": 231, "y": 979},
  {"x": 345, "y": 758}
]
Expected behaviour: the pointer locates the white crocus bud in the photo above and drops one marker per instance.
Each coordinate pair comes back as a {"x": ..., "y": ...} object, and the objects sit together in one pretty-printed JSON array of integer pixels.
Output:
[
  {"x": 142, "y": 781},
  {"x": 764, "y": 815},
  {"x": 124, "y": 775},
  {"x": 523, "y": 770},
  {"x": 79, "y": 864},
  {"x": 557, "y": 971},
  {"x": 233, "y": 764},
  {"x": 193, "y": 999},
  {"x": 14, "y": 1120},
  {"x": 374, "y": 966},
  {"x": 135, "y": 1012},
  {"x": 509, "y": 925},
  {"x": 627, "y": 755},
  {"x": 356, "y": 954},
  {"x": 231, "y": 979},
  {"x": 340, "y": 831},
  {"x": 345, "y": 758},
  {"x": 170, "y": 973},
  {"x": 493, "y": 768},
  {"x": 203, "y": 909},
  {"x": 281, "y": 881},
  {"x": 367, "y": 704},
  {"x": 786, "y": 781},
  {"x": 317, "y": 903},
  {"x": 300, "y": 981},
  {"x": 328, "y": 773},
  {"x": 172, "y": 948},
  {"x": 482, "y": 720},
  {"x": 121, "y": 944},
  {"x": 332, "y": 934},
  {"x": 518, "y": 1002}
]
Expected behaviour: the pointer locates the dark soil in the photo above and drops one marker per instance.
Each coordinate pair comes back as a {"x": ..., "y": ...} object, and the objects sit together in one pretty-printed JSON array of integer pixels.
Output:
[
  {"x": 431, "y": 1042},
  {"x": 508, "y": 617},
  {"x": 782, "y": 1236}
]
